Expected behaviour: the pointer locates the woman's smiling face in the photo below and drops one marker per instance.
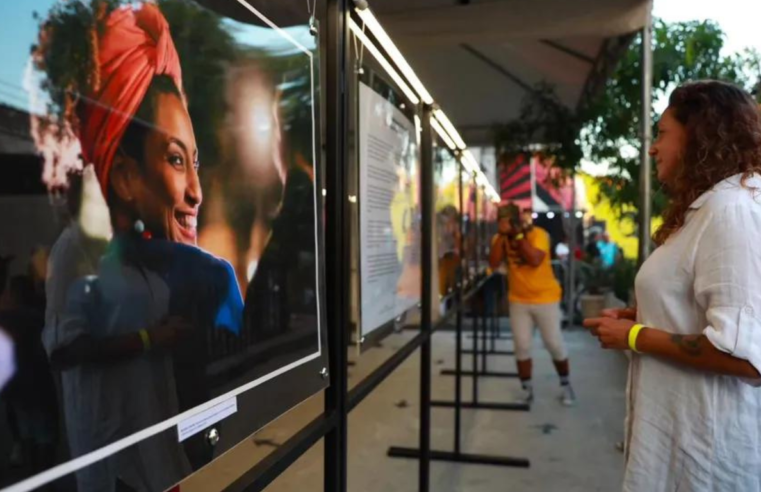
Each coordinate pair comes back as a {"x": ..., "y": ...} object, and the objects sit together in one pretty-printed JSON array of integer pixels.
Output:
[{"x": 170, "y": 194}]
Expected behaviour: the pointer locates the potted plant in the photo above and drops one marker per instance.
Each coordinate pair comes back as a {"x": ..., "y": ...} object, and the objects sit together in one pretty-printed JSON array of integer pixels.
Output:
[
  {"x": 598, "y": 282},
  {"x": 624, "y": 274}
]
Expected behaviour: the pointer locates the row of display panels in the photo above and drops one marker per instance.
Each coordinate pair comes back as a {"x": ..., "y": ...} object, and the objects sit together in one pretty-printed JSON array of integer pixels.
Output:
[
  {"x": 387, "y": 162},
  {"x": 161, "y": 276}
]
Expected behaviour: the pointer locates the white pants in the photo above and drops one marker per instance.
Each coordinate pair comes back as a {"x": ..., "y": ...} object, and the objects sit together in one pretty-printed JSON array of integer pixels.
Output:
[{"x": 523, "y": 319}]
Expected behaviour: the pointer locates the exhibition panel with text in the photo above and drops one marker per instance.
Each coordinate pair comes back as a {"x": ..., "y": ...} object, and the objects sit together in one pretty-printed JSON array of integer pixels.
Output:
[{"x": 389, "y": 210}]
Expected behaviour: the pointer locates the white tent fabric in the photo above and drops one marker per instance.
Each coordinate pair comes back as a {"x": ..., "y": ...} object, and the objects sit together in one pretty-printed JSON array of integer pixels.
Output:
[
  {"x": 446, "y": 22},
  {"x": 479, "y": 59}
]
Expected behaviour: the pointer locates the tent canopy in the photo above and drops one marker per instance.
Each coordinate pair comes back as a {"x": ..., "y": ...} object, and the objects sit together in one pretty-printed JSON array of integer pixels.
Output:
[{"x": 478, "y": 58}]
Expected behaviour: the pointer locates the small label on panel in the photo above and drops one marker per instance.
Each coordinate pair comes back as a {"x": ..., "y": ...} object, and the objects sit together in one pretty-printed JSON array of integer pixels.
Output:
[{"x": 197, "y": 423}]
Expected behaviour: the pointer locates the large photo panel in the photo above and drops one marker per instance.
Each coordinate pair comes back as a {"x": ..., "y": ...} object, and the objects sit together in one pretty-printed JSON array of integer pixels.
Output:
[{"x": 161, "y": 202}]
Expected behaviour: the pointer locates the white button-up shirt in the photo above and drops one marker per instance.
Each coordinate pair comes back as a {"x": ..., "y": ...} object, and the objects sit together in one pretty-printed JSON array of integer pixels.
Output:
[{"x": 690, "y": 430}]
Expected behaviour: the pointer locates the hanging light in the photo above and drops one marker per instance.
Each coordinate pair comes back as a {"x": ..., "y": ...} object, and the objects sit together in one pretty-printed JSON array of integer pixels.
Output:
[
  {"x": 444, "y": 135},
  {"x": 396, "y": 56},
  {"x": 414, "y": 99},
  {"x": 450, "y": 129},
  {"x": 440, "y": 122}
]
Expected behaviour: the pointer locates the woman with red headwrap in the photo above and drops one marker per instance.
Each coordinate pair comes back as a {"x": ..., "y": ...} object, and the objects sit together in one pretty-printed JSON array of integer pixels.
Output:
[{"x": 154, "y": 288}]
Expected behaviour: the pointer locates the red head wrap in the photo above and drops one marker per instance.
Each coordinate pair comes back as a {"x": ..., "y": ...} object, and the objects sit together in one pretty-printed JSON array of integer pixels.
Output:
[{"x": 134, "y": 47}]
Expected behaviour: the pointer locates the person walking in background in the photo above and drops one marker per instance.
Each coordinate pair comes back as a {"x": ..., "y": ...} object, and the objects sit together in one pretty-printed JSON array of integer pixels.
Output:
[
  {"x": 75, "y": 254},
  {"x": 562, "y": 250},
  {"x": 695, "y": 336},
  {"x": 534, "y": 296},
  {"x": 608, "y": 250},
  {"x": 591, "y": 250}
]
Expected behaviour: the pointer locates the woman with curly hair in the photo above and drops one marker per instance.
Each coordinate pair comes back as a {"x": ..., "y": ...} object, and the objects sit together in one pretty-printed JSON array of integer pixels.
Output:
[{"x": 695, "y": 336}]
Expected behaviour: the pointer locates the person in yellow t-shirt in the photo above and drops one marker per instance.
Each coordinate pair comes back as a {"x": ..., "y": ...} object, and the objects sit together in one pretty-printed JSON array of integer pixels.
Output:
[{"x": 533, "y": 293}]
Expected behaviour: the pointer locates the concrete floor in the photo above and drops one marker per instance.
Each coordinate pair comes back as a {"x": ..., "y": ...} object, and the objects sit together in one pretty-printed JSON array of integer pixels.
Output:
[{"x": 570, "y": 449}]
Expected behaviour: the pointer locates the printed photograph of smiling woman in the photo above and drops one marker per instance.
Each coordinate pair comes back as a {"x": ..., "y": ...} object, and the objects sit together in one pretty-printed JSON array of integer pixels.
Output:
[
  {"x": 154, "y": 291},
  {"x": 162, "y": 170}
]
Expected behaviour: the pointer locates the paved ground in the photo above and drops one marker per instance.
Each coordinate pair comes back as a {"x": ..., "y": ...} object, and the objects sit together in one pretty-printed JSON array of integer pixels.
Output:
[{"x": 570, "y": 449}]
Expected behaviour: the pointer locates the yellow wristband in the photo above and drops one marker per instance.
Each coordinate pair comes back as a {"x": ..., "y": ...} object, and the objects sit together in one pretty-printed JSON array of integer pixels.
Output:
[
  {"x": 633, "y": 334},
  {"x": 520, "y": 236},
  {"x": 146, "y": 340}
]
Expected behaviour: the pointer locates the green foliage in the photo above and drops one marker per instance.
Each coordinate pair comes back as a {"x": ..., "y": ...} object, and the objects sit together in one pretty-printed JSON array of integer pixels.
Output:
[
  {"x": 624, "y": 273},
  {"x": 542, "y": 118},
  {"x": 682, "y": 52},
  {"x": 594, "y": 276},
  {"x": 610, "y": 123},
  {"x": 66, "y": 51}
]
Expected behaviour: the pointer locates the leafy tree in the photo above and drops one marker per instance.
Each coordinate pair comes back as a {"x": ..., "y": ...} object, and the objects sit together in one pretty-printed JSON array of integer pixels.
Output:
[
  {"x": 682, "y": 51},
  {"x": 608, "y": 129},
  {"x": 542, "y": 118}
]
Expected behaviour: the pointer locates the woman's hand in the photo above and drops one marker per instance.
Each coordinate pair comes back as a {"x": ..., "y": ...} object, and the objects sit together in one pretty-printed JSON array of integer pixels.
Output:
[
  {"x": 612, "y": 333},
  {"x": 620, "y": 313}
]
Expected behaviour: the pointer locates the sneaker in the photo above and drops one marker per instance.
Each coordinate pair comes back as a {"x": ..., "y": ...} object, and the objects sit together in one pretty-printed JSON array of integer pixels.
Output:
[
  {"x": 568, "y": 397},
  {"x": 526, "y": 395}
]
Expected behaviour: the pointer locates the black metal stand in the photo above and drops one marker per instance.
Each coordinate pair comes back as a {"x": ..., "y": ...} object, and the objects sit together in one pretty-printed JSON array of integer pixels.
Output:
[
  {"x": 482, "y": 405},
  {"x": 494, "y": 337},
  {"x": 478, "y": 374},
  {"x": 424, "y": 453},
  {"x": 482, "y": 371},
  {"x": 491, "y": 352},
  {"x": 483, "y": 336},
  {"x": 427, "y": 210},
  {"x": 494, "y": 333},
  {"x": 338, "y": 247},
  {"x": 457, "y": 456}
]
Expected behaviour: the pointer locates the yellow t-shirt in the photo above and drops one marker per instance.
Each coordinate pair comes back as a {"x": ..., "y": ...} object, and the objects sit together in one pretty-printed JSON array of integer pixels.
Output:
[{"x": 532, "y": 285}]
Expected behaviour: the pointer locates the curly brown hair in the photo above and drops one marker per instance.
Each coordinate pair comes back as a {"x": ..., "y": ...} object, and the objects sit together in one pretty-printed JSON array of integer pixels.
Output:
[{"x": 723, "y": 129}]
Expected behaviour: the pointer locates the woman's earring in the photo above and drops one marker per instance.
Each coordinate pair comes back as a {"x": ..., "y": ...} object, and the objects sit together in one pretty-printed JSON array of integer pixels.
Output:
[{"x": 140, "y": 229}]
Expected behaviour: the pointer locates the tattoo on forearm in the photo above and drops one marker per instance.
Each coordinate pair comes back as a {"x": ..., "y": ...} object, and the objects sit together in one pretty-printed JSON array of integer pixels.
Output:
[{"x": 689, "y": 344}]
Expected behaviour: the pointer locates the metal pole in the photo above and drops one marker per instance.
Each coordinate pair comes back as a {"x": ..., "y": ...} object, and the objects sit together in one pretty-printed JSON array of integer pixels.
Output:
[
  {"x": 645, "y": 173},
  {"x": 458, "y": 325},
  {"x": 484, "y": 331},
  {"x": 427, "y": 211},
  {"x": 484, "y": 291},
  {"x": 474, "y": 326},
  {"x": 474, "y": 318},
  {"x": 571, "y": 262},
  {"x": 337, "y": 242},
  {"x": 495, "y": 302},
  {"x": 458, "y": 368}
]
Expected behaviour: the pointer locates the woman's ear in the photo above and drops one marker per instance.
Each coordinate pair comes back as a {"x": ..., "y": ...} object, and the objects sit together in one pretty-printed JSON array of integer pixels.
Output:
[{"x": 124, "y": 177}]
